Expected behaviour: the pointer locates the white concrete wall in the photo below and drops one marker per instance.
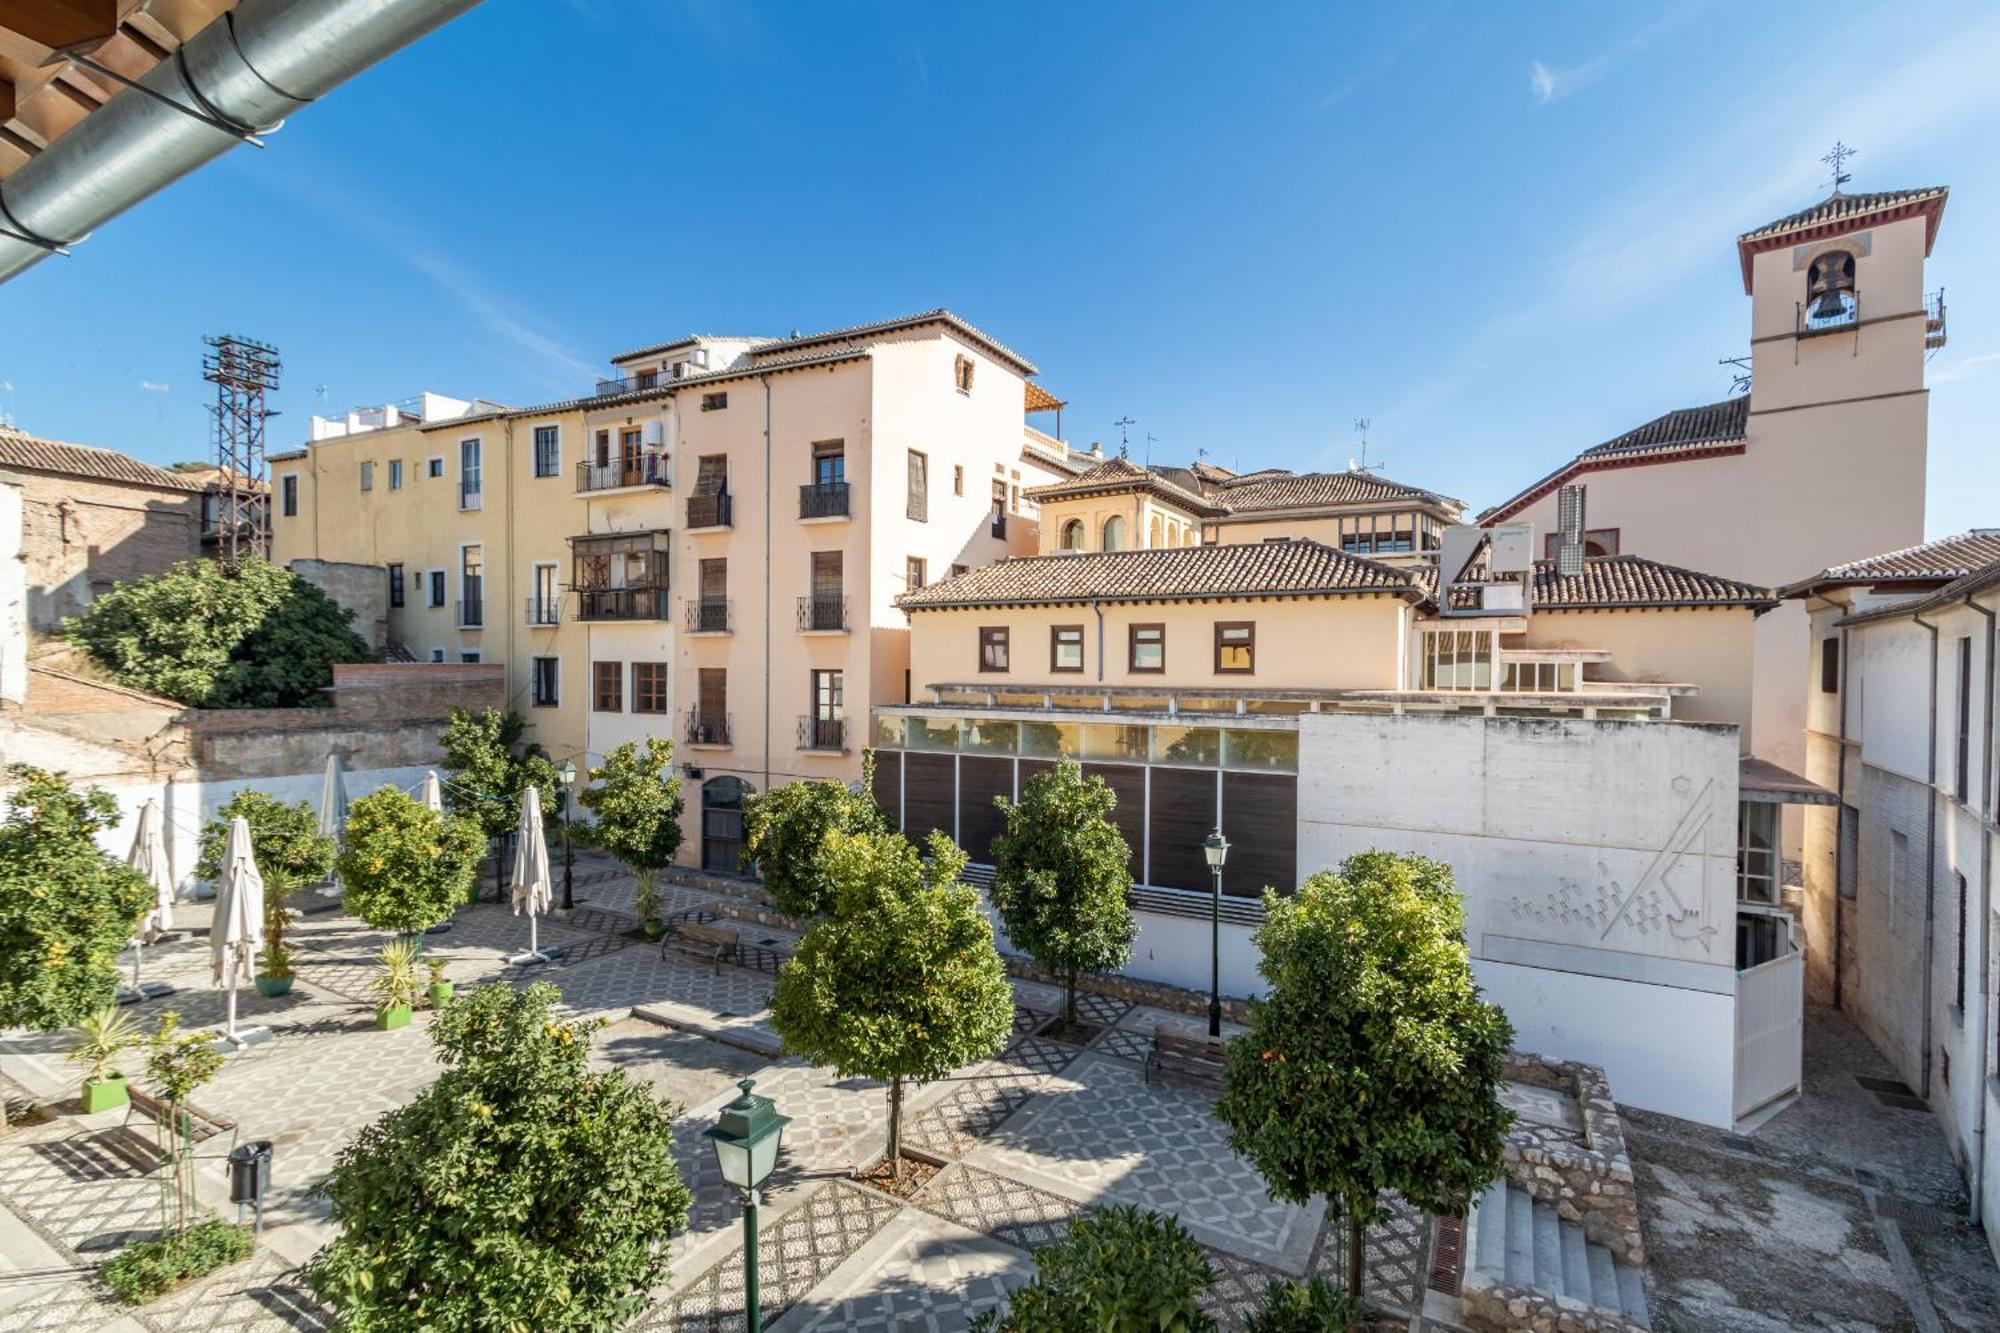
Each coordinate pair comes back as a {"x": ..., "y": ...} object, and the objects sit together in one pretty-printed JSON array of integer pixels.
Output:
[
  {"x": 13, "y": 598},
  {"x": 1597, "y": 860}
]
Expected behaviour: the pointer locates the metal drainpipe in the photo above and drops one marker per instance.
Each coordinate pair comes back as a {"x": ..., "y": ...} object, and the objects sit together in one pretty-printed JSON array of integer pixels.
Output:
[
  {"x": 1930, "y": 861},
  {"x": 1840, "y": 818},
  {"x": 1986, "y": 798},
  {"x": 242, "y": 74},
  {"x": 1098, "y": 607}
]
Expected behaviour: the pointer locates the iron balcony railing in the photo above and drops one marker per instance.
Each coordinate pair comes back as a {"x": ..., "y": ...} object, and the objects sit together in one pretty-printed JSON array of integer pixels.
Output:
[
  {"x": 1934, "y": 318},
  {"x": 823, "y": 499},
  {"x": 471, "y": 614},
  {"x": 709, "y": 511},
  {"x": 640, "y": 603},
  {"x": 822, "y": 733},
  {"x": 823, "y": 611},
  {"x": 707, "y": 728},
  {"x": 708, "y": 615},
  {"x": 645, "y": 379},
  {"x": 468, "y": 495},
  {"x": 648, "y": 469},
  {"x": 999, "y": 525},
  {"x": 544, "y": 611}
]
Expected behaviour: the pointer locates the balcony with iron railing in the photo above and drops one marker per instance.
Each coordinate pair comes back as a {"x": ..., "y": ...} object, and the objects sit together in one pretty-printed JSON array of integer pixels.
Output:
[
  {"x": 823, "y": 613},
  {"x": 1934, "y": 319},
  {"x": 709, "y": 510},
  {"x": 823, "y": 499},
  {"x": 639, "y": 383},
  {"x": 544, "y": 612},
  {"x": 637, "y": 470},
  {"x": 707, "y": 615},
  {"x": 469, "y": 495},
  {"x": 823, "y": 733},
  {"x": 633, "y": 603},
  {"x": 706, "y": 728}
]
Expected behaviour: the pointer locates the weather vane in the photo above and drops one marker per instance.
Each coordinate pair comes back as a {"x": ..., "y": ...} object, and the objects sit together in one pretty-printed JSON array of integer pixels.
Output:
[
  {"x": 1124, "y": 424},
  {"x": 1837, "y": 159}
]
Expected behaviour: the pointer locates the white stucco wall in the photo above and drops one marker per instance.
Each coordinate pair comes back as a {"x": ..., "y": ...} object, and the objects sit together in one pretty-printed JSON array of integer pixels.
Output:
[
  {"x": 13, "y": 598},
  {"x": 1597, "y": 860}
]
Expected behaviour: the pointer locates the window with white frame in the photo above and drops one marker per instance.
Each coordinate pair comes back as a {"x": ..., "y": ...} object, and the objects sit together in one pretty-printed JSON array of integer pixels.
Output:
[
  {"x": 548, "y": 451},
  {"x": 1457, "y": 659}
]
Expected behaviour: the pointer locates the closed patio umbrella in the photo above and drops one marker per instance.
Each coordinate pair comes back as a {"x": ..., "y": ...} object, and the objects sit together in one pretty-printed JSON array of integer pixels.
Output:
[
  {"x": 237, "y": 931},
  {"x": 432, "y": 794},
  {"x": 333, "y": 808},
  {"x": 532, "y": 891},
  {"x": 149, "y": 858}
]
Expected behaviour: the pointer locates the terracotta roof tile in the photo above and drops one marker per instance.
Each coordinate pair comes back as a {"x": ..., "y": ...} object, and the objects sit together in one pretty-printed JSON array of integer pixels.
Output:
[
  {"x": 1622, "y": 581},
  {"x": 1266, "y": 569},
  {"x": 1305, "y": 490},
  {"x": 1122, "y": 474},
  {"x": 1932, "y": 562},
  {"x": 1837, "y": 207},
  {"x": 30, "y": 454},
  {"x": 861, "y": 332},
  {"x": 1711, "y": 423}
]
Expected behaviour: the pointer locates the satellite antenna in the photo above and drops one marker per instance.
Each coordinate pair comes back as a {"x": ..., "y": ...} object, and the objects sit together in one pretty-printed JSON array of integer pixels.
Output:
[
  {"x": 1362, "y": 464},
  {"x": 1838, "y": 159}
]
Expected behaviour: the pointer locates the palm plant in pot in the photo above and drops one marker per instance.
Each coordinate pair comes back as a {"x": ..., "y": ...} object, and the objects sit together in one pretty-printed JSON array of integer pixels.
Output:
[
  {"x": 441, "y": 990},
  {"x": 101, "y": 1036},
  {"x": 395, "y": 986}
]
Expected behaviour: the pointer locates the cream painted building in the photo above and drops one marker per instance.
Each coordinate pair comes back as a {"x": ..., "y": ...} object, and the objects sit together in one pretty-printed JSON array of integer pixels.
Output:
[
  {"x": 707, "y": 548},
  {"x": 1823, "y": 460}
]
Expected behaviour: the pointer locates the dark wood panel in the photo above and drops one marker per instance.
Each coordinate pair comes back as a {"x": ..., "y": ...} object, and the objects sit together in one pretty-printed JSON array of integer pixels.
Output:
[
  {"x": 1128, "y": 784},
  {"x": 1183, "y": 815},
  {"x": 929, "y": 795},
  {"x": 980, "y": 779},
  {"x": 1260, "y": 819},
  {"x": 888, "y": 788}
]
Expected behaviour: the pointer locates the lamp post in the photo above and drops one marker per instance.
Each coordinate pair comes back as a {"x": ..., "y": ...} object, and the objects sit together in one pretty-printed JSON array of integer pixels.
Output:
[
  {"x": 1216, "y": 849},
  {"x": 568, "y": 775},
  {"x": 746, "y": 1138}
]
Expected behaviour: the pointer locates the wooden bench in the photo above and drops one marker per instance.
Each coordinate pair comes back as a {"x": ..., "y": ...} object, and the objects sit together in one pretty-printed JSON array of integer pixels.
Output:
[
  {"x": 203, "y": 1125},
  {"x": 1189, "y": 1062},
  {"x": 718, "y": 944}
]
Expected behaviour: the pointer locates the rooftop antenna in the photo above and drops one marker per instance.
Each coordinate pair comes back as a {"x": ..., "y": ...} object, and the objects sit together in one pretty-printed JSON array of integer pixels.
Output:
[
  {"x": 1362, "y": 464},
  {"x": 1124, "y": 425},
  {"x": 7, "y": 412},
  {"x": 1151, "y": 440},
  {"x": 1837, "y": 159},
  {"x": 1740, "y": 381}
]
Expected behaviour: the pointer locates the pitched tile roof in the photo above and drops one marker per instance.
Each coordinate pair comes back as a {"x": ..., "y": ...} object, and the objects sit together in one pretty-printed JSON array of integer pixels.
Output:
[
  {"x": 1839, "y": 207},
  {"x": 940, "y": 315},
  {"x": 1945, "y": 559},
  {"x": 1975, "y": 581},
  {"x": 31, "y": 454},
  {"x": 1711, "y": 423},
  {"x": 1306, "y": 490},
  {"x": 1613, "y": 582},
  {"x": 1839, "y": 213},
  {"x": 1122, "y": 474},
  {"x": 1182, "y": 573}
]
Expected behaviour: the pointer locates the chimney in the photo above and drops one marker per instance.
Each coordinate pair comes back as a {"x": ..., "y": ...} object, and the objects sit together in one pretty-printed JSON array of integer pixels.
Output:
[{"x": 1569, "y": 520}]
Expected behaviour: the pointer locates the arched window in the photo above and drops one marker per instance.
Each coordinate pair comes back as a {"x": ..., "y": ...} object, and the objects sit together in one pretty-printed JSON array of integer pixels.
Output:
[
  {"x": 1072, "y": 535},
  {"x": 1114, "y": 533},
  {"x": 1153, "y": 533},
  {"x": 1830, "y": 295}
]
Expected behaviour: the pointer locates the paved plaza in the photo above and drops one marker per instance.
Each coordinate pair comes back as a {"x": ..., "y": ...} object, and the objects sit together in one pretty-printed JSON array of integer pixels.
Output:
[{"x": 1026, "y": 1141}]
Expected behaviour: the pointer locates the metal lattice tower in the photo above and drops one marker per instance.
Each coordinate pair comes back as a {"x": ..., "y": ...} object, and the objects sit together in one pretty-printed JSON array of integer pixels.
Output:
[{"x": 242, "y": 371}]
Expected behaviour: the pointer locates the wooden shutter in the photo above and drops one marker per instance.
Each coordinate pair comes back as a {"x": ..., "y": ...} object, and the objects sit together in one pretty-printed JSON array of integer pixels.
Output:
[
  {"x": 711, "y": 475},
  {"x": 713, "y": 688},
  {"x": 826, "y": 570},
  {"x": 714, "y": 578}
]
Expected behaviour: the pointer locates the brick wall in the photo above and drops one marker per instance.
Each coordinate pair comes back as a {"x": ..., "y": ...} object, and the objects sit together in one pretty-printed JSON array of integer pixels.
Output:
[{"x": 79, "y": 536}]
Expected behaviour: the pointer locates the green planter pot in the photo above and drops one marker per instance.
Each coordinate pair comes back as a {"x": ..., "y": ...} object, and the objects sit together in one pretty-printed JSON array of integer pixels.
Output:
[
  {"x": 441, "y": 994},
  {"x": 391, "y": 1016},
  {"x": 653, "y": 929},
  {"x": 275, "y": 986},
  {"x": 104, "y": 1094}
]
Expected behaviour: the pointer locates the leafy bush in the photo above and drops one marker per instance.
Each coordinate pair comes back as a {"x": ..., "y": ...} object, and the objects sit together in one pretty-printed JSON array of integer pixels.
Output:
[
  {"x": 290, "y": 854},
  {"x": 154, "y": 1267},
  {"x": 1123, "y": 1270},
  {"x": 522, "y": 1190},
  {"x": 1371, "y": 1063},
  {"x": 1312, "y": 1306},
  {"x": 784, "y": 832},
  {"x": 405, "y": 867},
  {"x": 491, "y": 768},
  {"x": 66, "y": 907},
  {"x": 637, "y": 803},
  {"x": 255, "y": 637}
]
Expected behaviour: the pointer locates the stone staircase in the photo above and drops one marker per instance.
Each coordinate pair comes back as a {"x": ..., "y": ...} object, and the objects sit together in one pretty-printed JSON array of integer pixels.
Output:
[{"x": 1528, "y": 1268}]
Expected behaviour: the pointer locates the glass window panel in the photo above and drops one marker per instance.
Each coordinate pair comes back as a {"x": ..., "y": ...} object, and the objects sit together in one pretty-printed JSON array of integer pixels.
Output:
[
  {"x": 933, "y": 733},
  {"x": 889, "y": 732},
  {"x": 1196, "y": 746},
  {"x": 989, "y": 737},
  {"x": 1051, "y": 740},
  {"x": 1275, "y": 750},
  {"x": 1118, "y": 743}
]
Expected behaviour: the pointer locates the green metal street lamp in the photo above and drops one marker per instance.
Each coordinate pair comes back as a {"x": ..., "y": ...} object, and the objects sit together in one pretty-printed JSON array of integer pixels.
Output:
[
  {"x": 746, "y": 1139},
  {"x": 1216, "y": 849},
  {"x": 567, "y": 774}
]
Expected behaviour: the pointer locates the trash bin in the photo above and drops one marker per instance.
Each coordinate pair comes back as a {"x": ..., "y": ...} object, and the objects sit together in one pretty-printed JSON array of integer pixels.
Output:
[{"x": 250, "y": 1171}]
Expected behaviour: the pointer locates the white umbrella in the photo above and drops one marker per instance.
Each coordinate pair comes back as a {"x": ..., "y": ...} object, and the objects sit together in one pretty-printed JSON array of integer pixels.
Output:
[
  {"x": 333, "y": 807},
  {"x": 237, "y": 931},
  {"x": 532, "y": 891},
  {"x": 432, "y": 794},
  {"x": 149, "y": 858}
]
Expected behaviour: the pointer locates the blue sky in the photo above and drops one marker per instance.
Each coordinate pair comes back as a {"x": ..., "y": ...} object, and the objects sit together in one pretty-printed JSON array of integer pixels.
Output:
[{"x": 1502, "y": 233}]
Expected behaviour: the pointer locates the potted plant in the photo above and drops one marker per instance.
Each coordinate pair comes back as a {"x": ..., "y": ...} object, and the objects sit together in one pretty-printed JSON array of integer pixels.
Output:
[
  {"x": 101, "y": 1036},
  {"x": 441, "y": 989},
  {"x": 274, "y": 978},
  {"x": 646, "y": 902},
  {"x": 291, "y": 853},
  {"x": 395, "y": 986}
]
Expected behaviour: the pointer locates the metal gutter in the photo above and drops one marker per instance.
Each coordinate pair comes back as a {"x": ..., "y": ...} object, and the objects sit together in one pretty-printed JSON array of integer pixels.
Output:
[{"x": 238, "y": 77}]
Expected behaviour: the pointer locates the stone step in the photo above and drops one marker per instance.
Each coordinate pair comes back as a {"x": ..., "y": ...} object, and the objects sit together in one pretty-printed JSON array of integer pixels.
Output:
[{"x": 1517, "y": 1242}]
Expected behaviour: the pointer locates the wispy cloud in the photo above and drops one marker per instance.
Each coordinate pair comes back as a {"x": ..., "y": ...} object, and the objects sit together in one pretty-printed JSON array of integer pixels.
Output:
[
  {"x": 1549, "y": 83},
  {"x": 1383, "y": 61},
  {"x": 1965, "y": 368},
  {"x": 153, "y": 386}
]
